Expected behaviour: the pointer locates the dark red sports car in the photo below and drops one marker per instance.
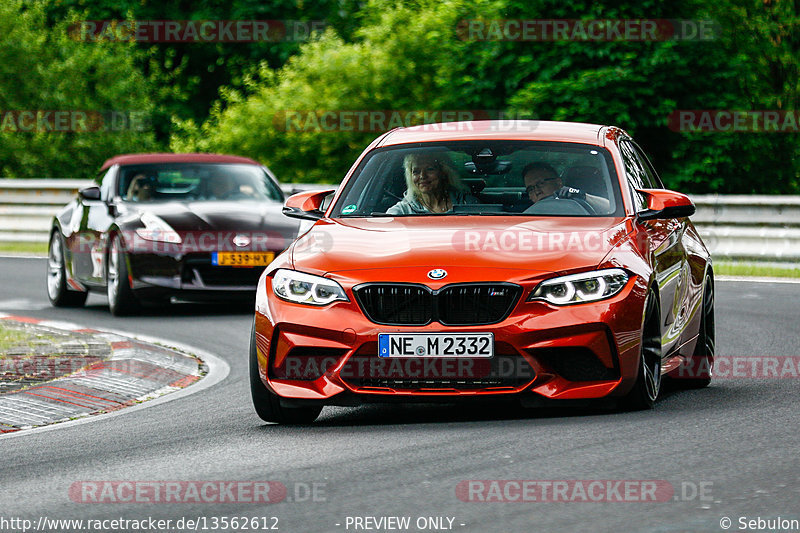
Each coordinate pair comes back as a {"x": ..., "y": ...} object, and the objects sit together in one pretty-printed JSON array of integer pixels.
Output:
[
  {"x": 193, "y": 226},
  {"x": 536, "y": 260}
]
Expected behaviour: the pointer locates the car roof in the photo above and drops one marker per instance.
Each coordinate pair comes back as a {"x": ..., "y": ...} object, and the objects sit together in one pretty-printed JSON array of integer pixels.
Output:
[
  {"x": 528, "y": 130},
  {"x": 140, "y": 159}
]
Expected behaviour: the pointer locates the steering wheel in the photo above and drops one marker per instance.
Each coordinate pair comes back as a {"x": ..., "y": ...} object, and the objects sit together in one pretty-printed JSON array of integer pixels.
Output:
[{"x": 560, "y": 206}]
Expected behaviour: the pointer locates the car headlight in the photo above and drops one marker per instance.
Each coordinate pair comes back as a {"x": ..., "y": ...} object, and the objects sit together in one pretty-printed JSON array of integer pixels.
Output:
[
  {"x": 306, "y": 289},
  {"x": 156, "y": 229},
  {"x": 583, "y": 287}
]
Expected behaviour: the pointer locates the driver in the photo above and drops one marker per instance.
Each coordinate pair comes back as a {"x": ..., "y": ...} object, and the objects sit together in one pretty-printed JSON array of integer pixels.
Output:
[
  {"x": 222, "y": 186},
  {"x": 140, "y": 189},
  {"x": 542, "y": 181}
]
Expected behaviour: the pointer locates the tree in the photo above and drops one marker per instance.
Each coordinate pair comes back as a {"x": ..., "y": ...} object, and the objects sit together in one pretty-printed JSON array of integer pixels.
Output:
[
  {"x": 66, "y": 105},
  {"x": 415, "y": 56}
]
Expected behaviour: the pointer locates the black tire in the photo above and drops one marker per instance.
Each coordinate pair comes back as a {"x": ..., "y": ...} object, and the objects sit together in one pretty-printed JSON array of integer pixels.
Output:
[
  {"x": 645, "y": 391},
  {"x": 121, "y": 300},
  {"x": 58, "y": 292},
  {"x": 701, "y": 364},
  {"x": 267, "y": 404}
]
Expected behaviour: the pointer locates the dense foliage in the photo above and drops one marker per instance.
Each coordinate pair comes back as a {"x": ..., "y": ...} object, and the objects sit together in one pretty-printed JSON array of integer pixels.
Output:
[
  {"x": 267, "y": 99},
  {"x": 97, "y": 90}
]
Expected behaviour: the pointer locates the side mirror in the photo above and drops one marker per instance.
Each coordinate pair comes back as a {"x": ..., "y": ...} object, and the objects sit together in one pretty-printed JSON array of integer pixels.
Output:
[
  {"x": 662, "y": 204},
  {"x": 306, "y": 205},
  {"x": 90, "y": 193}
]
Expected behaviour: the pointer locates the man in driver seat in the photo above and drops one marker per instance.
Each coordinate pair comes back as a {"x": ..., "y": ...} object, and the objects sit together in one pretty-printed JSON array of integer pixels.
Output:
[{"x": 542, "y": 181}]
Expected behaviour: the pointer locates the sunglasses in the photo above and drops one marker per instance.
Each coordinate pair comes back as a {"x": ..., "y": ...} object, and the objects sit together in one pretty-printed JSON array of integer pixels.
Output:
[{"x": 530, "y": 188}]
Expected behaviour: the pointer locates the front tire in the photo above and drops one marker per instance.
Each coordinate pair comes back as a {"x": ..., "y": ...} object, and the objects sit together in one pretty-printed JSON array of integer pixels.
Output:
[
  {"x": 57, "y": 290},
  {"x": 121, "y": 300},
  {"x": 267, "y": 404},
  {"x": 702, "y": 361},
  {"x": 645, "y": 391}
]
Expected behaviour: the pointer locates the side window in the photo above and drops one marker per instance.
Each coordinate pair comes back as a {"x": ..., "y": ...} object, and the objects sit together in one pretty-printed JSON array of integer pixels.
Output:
[
  {"x": 637, "y": 177},
  {"x": 652, "y": 177}
]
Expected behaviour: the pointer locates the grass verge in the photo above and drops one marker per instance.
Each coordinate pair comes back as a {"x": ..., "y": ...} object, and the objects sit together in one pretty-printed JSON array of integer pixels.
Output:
[
  {"x": 32, "y": 248},
  {"x": 771, "y": 270},
  {"x": 11, "y": 337}
]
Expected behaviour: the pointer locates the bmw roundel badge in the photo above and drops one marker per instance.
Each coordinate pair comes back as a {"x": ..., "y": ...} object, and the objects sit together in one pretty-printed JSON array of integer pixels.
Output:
[{"x": 437, "y": 273}]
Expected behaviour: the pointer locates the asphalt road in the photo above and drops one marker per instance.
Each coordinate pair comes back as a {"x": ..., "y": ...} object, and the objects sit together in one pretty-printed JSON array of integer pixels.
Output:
[{"x": 736, "y": 441}]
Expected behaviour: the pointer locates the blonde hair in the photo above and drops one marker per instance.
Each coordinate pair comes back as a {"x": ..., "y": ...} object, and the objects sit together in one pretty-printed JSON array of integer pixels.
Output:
[{"x": 441, "y": 161}]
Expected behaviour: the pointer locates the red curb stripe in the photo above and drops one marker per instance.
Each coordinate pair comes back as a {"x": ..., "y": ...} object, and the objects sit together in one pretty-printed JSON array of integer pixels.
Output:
[
  {"x": 184, "y": 382},
  {"x": 92, "y": 404},
  {"x": 24, "y": 319},
  {"x": 117, "y": 345},
  {"x": 69, "y": 391},
  {"x": 58, "y": 400}
]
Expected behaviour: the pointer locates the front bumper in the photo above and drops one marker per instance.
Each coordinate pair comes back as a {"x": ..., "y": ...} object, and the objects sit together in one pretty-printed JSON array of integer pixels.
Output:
[
  {"x": 157, "y": 275},
  {"x": 330, "y": 354}
]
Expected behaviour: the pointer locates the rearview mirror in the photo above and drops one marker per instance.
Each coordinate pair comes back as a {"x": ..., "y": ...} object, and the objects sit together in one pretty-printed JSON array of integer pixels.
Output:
[
  {"x": 663, "y": 204},
  {"x": 306, "y": 205},
  {"x": 90, "y": 193}
]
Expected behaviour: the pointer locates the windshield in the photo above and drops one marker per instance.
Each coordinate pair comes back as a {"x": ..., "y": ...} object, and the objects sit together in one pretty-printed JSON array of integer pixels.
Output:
[
  {"x": 196, "y": 182},
  {"x": 483, "y": 178}
]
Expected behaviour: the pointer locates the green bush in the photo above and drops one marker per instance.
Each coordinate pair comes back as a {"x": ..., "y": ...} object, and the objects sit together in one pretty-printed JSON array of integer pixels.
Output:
[
  {"x": 43, "y": 69},
  {"x": 410, "y": 57}
]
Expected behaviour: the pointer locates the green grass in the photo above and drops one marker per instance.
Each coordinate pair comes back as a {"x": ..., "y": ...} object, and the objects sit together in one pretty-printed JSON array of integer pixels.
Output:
[
  {"x": 756, "y": 270},
  {"x": 35, "y": 248},
  {"x": 18, "y": 337},
  {"x": 12, "y": 337}
]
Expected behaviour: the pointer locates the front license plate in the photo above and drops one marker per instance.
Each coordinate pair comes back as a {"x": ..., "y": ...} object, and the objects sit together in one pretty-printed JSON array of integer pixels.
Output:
[
  {"x": 242, "y": 259},
  {"x": 479, "y": 345}
]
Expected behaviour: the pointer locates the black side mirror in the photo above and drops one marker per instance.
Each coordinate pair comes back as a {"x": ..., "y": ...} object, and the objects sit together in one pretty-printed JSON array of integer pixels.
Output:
[{"x": 89, "y": 193}]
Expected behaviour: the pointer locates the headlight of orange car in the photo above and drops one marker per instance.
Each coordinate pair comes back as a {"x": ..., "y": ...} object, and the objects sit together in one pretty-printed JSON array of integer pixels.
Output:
[
  {"x": 304, "y": 288},
  {"x": 583, "y": 287}
]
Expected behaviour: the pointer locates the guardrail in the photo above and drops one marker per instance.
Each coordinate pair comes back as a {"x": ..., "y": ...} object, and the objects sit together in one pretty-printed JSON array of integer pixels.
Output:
[{"x": 752, "y": 228}]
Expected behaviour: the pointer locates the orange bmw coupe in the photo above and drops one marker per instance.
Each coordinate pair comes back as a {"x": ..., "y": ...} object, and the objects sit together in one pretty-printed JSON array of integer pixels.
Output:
[{"x": 541, "y": 261}]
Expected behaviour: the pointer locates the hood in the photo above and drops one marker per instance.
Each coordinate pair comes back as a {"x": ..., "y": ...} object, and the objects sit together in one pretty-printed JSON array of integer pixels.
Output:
[
  {"x": 397, "y": 246},
  {"x": 238, "y": 216}
]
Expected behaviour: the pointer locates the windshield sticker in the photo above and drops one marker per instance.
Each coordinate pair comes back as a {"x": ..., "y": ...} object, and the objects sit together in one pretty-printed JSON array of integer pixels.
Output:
[{"x": 349, "y": 209}]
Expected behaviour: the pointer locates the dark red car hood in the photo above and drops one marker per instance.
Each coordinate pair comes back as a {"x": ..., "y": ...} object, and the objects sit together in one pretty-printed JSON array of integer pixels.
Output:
[{"x": 238, "y": 216}]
